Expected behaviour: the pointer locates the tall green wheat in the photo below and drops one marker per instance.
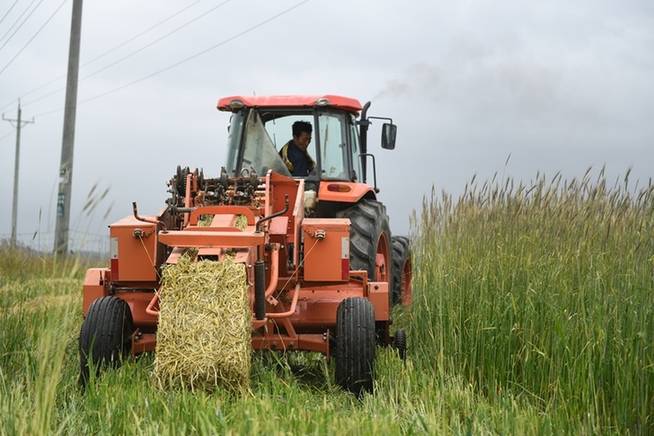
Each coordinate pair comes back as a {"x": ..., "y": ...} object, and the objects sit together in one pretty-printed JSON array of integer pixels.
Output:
[
  {"x": 545, "y": 291},
  {"x": 533, "y": 314}
]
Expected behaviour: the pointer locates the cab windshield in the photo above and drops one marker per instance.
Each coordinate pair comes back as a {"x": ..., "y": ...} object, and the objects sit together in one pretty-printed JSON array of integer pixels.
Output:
[{"x": 257, "y": 136}]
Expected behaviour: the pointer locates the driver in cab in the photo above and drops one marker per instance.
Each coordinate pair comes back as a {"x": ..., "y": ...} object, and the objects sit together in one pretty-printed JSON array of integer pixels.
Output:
[{"x": 294, "y": 153}]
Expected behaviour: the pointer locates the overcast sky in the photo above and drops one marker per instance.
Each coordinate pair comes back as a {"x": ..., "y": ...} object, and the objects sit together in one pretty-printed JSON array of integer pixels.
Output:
[{"x": 558, "y": 85}]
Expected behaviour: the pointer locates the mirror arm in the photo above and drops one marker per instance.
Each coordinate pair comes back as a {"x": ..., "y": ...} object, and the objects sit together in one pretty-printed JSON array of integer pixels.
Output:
[{"x": 381, "y": 118}]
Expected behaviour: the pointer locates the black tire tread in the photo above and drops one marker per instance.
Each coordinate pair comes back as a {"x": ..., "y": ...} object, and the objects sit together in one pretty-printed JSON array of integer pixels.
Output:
[
  {"x": 401, "y": 252},
  {"x": 355, "y": 345},
  {"x": 399, "y": 342},
  {"x": 368, "y": 219},
  {"x": 104, "y": 335}
]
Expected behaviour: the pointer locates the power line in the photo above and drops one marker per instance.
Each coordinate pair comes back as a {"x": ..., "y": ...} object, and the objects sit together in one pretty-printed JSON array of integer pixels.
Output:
[
  {"x": 22, "y": 23},
  {"x": 101, "y": 55},
  {"x": 6, "y": 136},
  {"x": 186, "y": 59},
  {"x": 161, "y": 38},
  {"x": 144, "y": 32},
  {"x": 135, "y": 52},
  {"x": 17, "y": 20},
  {"x": 8, "y": 10},
  {"x": 33, "y": 36}
]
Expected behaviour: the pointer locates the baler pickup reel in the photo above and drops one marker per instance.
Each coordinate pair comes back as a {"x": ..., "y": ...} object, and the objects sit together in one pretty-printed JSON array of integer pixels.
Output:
[{"x": 206, "y": 239}]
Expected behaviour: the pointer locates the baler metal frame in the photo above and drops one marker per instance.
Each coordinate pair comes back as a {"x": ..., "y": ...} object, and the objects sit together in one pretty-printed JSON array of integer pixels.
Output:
[{"x": 278, "y": 328}]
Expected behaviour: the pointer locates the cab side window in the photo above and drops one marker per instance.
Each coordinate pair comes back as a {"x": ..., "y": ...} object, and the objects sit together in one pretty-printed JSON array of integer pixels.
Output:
[{"x": 333, "y": 146}]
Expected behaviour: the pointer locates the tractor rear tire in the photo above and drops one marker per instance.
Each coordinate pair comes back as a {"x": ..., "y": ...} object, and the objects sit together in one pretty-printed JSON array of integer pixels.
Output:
[
  {"x": 368, "y": 223},
  {"x": 105, "y": 337},
  {"x": 355, "y": 345},
  {"x": 401, "y": 261}
]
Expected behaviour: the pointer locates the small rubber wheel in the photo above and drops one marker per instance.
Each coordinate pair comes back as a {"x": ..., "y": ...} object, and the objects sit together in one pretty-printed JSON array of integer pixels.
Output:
[
  {"x": 355, "y": 345},
  {"x": 105, "y": 337},
  {"x": 399, "y": 343},
  {"x": 401, "y": 284}
]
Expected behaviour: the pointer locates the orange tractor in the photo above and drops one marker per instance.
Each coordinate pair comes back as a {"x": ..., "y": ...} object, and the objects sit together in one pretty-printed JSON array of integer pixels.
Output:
[{"x": 322, "y": 267}]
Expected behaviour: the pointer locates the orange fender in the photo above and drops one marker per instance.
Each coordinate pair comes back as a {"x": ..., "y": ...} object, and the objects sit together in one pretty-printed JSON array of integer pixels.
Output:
[
  {"x": 94, "y": 286},
  {"x": 344, "y": 192}
]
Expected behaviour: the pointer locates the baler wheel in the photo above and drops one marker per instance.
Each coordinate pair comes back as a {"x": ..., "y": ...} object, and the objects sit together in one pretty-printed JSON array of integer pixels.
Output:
[
  {"x": 399, "y": 343},
  {"x": 355, "y": 345},
  {"x": 106, "y": 335},
  {"x": 401, "y": 284}
]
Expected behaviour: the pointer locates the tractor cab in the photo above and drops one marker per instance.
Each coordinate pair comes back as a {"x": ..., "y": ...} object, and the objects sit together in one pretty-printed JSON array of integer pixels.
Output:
[{"x": 261, "y": 126}]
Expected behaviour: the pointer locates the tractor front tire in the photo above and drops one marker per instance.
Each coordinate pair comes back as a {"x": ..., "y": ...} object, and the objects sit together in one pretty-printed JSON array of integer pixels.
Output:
[
  {"x": 105, "y": 337},
  {"x": 401, "y": 283},
  {"x": 355, "y": 345}
]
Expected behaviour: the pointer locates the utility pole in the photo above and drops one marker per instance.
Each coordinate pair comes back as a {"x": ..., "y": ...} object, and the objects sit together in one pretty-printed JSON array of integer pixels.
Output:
[
  {"x": 17, "y": 123},
  {"x": 68, "y": 141}
]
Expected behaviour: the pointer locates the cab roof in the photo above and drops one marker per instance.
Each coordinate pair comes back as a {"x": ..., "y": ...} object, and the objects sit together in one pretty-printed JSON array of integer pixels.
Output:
[{"x": 237, "y": 102}]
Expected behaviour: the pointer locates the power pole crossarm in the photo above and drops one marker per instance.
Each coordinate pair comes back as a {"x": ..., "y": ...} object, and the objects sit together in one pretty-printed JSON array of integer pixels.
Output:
[{"x": 18, "y": 124}]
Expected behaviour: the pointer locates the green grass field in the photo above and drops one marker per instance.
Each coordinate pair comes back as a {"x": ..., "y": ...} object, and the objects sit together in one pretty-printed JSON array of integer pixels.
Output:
[{"x": 533, "y": 314}]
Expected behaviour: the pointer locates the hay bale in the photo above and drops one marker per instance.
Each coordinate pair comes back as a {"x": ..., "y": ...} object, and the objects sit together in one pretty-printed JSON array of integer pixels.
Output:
[
  {"x": 241, "y": 222},
  {"x": 205, "y": 220},
  {"x": 204, "y": 338}
]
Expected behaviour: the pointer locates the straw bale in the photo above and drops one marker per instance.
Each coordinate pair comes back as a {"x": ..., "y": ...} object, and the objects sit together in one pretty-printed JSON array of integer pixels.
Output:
[
  {"x": 203, "y": 338},
  {"x": 205, "y": 220},
  {"x": 241, "y": 222}
]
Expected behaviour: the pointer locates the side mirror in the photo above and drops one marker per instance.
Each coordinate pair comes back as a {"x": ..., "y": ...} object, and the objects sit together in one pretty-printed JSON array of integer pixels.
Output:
[{"x": 389, "y": 131}]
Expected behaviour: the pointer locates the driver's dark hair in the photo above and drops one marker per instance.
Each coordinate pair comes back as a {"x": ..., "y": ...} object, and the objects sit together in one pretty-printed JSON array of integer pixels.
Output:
[{"x": 301, "y": 126}]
